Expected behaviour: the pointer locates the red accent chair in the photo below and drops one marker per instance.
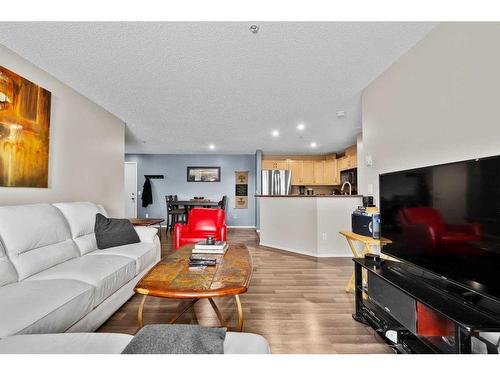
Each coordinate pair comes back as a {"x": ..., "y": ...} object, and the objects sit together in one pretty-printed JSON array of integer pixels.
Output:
[
  {"x": 202, "y": 223},
  {"x": 427, "y": 222}
]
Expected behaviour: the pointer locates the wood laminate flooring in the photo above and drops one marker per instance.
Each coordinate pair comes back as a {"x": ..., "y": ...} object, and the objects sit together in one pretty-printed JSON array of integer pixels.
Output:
[{"x": 298, "y": 303}]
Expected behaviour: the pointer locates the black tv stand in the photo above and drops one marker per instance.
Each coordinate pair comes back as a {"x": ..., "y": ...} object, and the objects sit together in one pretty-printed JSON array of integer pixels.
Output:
[{"x": 427, "y": 315}]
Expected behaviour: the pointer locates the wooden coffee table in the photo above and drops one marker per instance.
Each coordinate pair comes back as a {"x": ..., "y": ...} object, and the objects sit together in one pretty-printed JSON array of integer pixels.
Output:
[{"x": 172, "y": 278}]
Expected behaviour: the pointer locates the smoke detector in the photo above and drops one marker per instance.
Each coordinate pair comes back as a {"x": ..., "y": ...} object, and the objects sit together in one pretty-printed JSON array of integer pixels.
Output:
[{"x": 254, "y": 28}]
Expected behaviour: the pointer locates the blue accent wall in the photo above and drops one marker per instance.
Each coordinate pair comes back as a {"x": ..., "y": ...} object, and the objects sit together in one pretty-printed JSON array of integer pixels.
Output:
[{"x": 174, "y": 168}]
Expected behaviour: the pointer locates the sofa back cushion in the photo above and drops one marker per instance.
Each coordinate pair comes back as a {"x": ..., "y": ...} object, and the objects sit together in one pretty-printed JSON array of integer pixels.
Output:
[
  {"x": 81, "y": 219},
  {"x": 205, "y": 220},
  {"x": 35, "y": 237},
  {"x": 8, "y": 274}
]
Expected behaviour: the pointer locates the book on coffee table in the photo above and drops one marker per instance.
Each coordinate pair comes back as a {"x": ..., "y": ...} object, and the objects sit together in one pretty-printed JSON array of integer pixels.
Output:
[{"x": 201, "y": 247}]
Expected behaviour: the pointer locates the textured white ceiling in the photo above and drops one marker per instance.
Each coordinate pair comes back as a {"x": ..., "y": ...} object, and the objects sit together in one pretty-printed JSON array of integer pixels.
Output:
[{"x": 181, "y": 86}]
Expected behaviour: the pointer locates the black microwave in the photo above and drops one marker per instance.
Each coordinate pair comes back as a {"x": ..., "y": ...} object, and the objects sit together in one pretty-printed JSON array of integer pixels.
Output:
[{"x": 349, "y": 175}]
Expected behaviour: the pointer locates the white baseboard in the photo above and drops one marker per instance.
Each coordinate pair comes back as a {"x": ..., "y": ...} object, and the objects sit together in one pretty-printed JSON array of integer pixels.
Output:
[
  {"x": 302, "y": 252},
  {"x": 242, "y": 226}
]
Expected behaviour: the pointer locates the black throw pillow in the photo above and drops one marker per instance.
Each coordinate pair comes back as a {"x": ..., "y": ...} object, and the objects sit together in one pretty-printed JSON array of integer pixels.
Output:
[{"x": 114, "y": 232}]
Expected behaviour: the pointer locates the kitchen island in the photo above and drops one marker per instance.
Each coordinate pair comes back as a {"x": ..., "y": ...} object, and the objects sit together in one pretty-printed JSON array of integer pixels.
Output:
[{"x": 307, "y": 225}]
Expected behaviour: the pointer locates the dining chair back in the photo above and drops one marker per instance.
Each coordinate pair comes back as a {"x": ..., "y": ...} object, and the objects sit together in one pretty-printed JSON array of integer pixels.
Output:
[{"x": 223, "y": 203}]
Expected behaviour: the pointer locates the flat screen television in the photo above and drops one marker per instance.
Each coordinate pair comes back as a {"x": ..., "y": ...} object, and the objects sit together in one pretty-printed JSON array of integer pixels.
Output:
[{"x": 446, "y": 219}]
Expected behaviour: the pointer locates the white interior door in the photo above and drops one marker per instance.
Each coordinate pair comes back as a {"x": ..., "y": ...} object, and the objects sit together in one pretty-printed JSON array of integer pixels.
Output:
[{"x": 130, "y": 189}]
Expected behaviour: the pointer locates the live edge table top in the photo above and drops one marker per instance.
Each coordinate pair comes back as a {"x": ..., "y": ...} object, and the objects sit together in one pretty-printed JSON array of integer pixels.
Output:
[{"x": 172, "y": 277}]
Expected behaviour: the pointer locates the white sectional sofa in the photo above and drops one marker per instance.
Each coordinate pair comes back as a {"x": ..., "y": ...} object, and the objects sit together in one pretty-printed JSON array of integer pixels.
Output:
[
  {"x": 55, "y": 282},
  {"x": 52, "y": 276}
]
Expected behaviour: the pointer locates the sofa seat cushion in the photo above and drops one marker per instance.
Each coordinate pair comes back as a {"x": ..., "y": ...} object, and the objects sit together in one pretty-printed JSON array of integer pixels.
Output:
[
  {"x": 245, "y": 343},
  {"x": 43, "y": 306},
  {"x": 143, "y": 254},
  {"x": 66, "y": 343},
  {"x": 107, "y": 273}
]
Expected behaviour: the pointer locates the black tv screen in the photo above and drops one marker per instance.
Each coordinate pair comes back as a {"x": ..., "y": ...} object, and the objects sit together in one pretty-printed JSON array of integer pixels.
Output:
[{"x": 446, "y": 220}]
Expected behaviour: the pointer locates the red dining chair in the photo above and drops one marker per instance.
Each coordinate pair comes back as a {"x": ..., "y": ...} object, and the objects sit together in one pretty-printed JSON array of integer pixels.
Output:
[{"x": 202, "y": 223}]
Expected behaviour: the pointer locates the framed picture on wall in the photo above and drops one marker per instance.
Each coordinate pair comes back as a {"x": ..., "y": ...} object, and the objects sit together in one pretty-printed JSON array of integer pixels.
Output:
[
  {"x": 24, "y": 132},
  {"x": 203, "y": 174}
]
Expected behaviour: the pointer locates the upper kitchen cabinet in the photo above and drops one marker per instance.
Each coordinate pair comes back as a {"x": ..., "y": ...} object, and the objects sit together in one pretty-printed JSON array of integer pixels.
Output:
[
  {"x": 319, "y": 172},
  {"x": 331, "y": 174},
  {"x": 274, "y": 164},
  {"x": 314, "y": 170},
  {"x": 295, "y": 167},
  {"x": 349, "y": 160},
  {"x": 307, "y": 172},
  {"x": 302, "y": 172}
]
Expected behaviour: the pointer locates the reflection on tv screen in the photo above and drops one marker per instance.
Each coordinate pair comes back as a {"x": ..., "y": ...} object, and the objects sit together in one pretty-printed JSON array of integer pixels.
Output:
[{"x": 445, "y": 218}]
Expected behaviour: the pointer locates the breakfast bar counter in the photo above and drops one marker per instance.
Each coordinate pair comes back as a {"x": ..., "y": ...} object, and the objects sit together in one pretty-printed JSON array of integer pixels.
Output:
[{"x": 308, "y": 225}]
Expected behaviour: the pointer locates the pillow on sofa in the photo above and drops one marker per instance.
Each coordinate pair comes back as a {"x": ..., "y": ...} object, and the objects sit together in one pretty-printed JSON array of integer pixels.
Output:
[{"x": 114, "y": 232}]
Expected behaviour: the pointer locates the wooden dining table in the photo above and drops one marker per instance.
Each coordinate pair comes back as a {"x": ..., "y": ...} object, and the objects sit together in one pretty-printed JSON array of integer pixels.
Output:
[{"x": 196, "y": 203}]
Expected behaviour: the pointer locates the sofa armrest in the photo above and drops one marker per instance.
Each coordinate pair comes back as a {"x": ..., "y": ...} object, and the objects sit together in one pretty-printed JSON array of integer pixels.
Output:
[
  {"x": 146, "y": 234},
  {"x": 179, "y": 230}
]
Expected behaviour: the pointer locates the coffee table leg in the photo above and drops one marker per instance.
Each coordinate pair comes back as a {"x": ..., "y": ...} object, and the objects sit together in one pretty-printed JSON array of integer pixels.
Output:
[
  {"x": 186, "y": 308},
  {"x": 217, "y": 311},
  {"x": 140, "y": 317},
  {"x": 240, "y": 313}
]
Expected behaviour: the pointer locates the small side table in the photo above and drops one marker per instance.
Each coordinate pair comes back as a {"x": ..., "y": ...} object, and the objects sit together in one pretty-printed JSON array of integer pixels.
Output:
[
  {"x": 368, "y": 243},
  {"x": 148, "y": 222}
]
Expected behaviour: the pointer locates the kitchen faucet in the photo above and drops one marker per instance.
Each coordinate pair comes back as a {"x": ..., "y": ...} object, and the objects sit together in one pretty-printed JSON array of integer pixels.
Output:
[{"x": 350, "y": 187}]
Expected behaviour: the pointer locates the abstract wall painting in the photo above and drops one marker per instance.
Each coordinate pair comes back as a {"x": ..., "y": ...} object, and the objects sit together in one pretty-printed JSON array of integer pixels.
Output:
[{"x": 24, "y": 132}]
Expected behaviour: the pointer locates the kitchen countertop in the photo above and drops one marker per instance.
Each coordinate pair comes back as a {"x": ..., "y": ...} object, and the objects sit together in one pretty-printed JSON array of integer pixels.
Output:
[{"x": 307, "y": 196}]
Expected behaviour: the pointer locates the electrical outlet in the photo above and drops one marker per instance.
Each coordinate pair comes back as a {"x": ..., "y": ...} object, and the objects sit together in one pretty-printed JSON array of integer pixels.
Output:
[{"x": 324, "y": 236}]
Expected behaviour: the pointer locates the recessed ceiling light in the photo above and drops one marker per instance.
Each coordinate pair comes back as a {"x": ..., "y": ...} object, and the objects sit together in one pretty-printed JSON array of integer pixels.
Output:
[
  {"x": 254, "y": 28},
  {"x": 275, "y": 133},
  {"x": 301, "y": 126},
  {"x": 341, "y": 114},
  {"x": 211, "y": 147},
  {"x": 314, "y": 144}
]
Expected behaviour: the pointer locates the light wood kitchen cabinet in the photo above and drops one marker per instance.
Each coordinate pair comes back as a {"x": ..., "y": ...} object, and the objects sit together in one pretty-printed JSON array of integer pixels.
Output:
[
  {"x": 295, "y": 167},
  {"x": 351, "y": 151},
  {"x": 331, "y": 174},
  {"x": 319, "y": 172},
  {"x": 302, "y": 172},
  {"x": 343, "y": 163},
  {"x": 353, "y": 161},
  {"x": 312, "y": 170},
  {"x": 348, "y": 162},
  {"x": 274, "y": 164},
  {"x": 307, "y": 172}
]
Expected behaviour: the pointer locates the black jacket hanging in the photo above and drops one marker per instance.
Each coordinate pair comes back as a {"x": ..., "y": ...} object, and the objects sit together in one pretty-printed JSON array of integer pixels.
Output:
[{"x": 147, "y": 195}]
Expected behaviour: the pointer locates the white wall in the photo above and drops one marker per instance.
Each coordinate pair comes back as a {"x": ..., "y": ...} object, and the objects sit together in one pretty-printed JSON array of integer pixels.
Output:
[
  {"x": 86, "y": 146},
  {"x": 440, "y": 102}
]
